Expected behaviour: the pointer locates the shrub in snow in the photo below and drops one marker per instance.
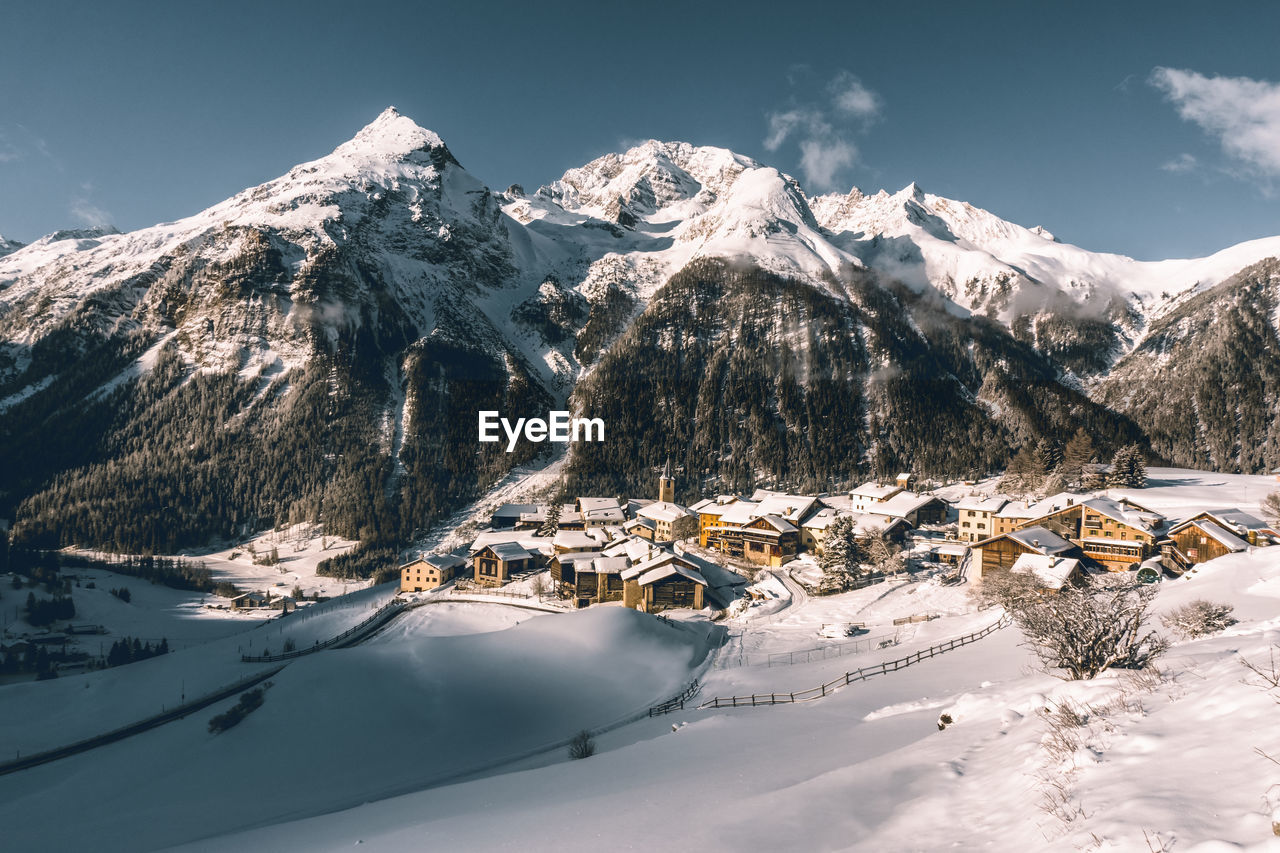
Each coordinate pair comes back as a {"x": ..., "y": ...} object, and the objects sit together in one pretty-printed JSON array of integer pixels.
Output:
[
  {"x": 582, "y": 746},
  {"x": 1084, "y": 632},
  {"x": 249, "y": 702},
  {"x": 1199, "y": 619},
  {"x": 944, "y": 721}
]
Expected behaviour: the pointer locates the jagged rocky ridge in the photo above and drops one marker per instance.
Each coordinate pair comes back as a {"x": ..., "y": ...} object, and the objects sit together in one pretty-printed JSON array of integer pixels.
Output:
[{"x": 317, "y": 347}]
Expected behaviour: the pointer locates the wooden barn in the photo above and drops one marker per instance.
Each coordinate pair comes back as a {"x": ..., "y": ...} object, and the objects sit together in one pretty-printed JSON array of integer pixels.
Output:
[
  {"x": 496, "y": 563},
  {"x": 1200, "y": 540},
  {"x": 663, "y": 583},
  {"x": 1002, "y": 552}
]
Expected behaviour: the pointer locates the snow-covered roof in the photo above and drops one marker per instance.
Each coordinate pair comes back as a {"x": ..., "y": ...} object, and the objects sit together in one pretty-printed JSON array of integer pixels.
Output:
[
  {"x": 513, "y": 510},
  {"x": 610, "y": 565},
  {"x": 527, "y": 539},
  {"x": 903, "y": 504},
  {"x": 574, "y": 540},
  {"x": 779, "y": 524},
  {"x": 821, "y": 519},
  {"x": 1040, "y": 539},
  {"x": 664, "y": 511},
  {"x": 445, "y": 561},
  {"x": 791, "y": 507},
  {"x": 1236, "y": 519},
  {"x": 982, "y": 503},
  {"x": 1225, "y": 537},
  {"x": 1140, "y": 519},
  {"x": 672, "y": 568},
  {"x": 739, "y": 513},
  {"x": 874, "y": 491},
  {"x": 508, "y": 551},
  {"x": 1052, "y": 572}
]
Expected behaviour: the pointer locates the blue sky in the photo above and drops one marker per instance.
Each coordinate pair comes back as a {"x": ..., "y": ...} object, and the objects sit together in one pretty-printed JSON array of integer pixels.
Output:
[{"x": 1046, "y": 114}]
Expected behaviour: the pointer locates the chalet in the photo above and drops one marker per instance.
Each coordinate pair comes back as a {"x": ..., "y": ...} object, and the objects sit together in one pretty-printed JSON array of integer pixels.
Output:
[
  {"x": 430, "y": 572},
  {"x": 792, "y": 508},
  {"x": 912, "y": 508},
  {"x": 709, "y": 512},
  {"x": 569, "y": 518},
  {"x": 645, "y": 528},
  {"x": 977, "y": 516},
  {"x": 495, "y": 564},
  {"x": 600, "y": 512},
  {"x": 251, "y": 600},
  {"x": 1001, "y": 552},
  {"x": 1199, "y": 540},
  {"x": 568, "y": 541},
  {"x": 867, "y": 496},
  {"x": 589, "y": 578},
  {"x": 1051, "y": 572},
  {"x": 905, "y": 481},
  {"x": 1017, "y": 514},
  {"x": 663, "y": 582},
  {"x": 1114, "y": 533},
  {"x": 667, "y": 520},
  {"x": 507, "y": 516},
  {"x": 867, "y": 526},
  {"x": 1248, "y": 527}
]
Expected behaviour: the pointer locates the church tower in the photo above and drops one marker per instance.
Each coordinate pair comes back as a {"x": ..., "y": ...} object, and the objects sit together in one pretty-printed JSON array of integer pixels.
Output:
[{"x": 667, "y": 485}]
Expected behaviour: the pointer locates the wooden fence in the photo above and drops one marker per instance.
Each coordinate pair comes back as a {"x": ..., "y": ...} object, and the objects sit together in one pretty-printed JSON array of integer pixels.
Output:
[
  {"x": 678, "y": 702},
  {"x": 382, "y": 614},
  {"x": 861, "y": 674}
]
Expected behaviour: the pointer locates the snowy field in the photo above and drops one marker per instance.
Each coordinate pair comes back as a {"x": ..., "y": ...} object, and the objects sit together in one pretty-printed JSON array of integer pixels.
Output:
[
  {"x": 417, "y": 708},
  {"x": 41, "y": 715},
  {"x": 1170, "y": 759}
]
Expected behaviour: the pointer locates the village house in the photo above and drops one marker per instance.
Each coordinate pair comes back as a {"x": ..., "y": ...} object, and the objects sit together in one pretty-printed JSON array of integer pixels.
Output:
[
  {"x": 1199, "y": 540},
  {"x": 868, "y": 496},
  {"x": 977, "y": 517},
  {"x": 709, "y": 512},
  {"x": 1252, "y": 529},
  {"x": 666, "y": 518},
  {"x": 507, "y": 516},
  {"x": 496, "y": 564},
  {"x": 1113, "y": 533},
  {"x": 1017, "y": 514},
  {"x": 569, "y": 519},
  {"x": 429, "y": 572},
  {"x": 251, "y": 600},
  {"x": 662, "y": 582},
  {"x": 1001, "y": 552},
  {"x": 867, "y": 526},
  {"x": 600, "y": 512}
]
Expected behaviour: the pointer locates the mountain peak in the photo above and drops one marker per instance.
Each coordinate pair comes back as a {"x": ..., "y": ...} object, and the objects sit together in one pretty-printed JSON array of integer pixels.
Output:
[{"x": 390, "y": 136}]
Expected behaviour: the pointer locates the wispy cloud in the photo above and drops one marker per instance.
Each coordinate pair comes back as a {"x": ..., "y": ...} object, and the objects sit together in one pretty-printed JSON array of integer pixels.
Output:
[
  {"x": 820, "y": 129},
  {"x": 1242, "y": 113},
  {"x": 86, "y": 211},
  {"x": 1184, "y": 162},
  {"x": 852, "y": 98}
]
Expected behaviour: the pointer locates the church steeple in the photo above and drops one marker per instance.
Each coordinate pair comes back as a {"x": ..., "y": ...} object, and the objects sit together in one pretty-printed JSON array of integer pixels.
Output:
[{"x": 667, "y": 484}]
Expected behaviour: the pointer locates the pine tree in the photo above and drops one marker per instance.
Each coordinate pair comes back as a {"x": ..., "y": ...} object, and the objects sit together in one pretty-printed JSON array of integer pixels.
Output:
[
  {"x": 1128, "y": 468},
  {"x": 841, "y": 560},
  {"x": 1078, "y": 453},
  {"x": 1048, "y": 455},
  {"x": 551, "y": 525}
]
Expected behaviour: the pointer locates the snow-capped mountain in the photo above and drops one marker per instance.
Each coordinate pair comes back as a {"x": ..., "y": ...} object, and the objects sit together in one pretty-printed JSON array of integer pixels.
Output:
[
  {"x": 8, "y": 247},
  {"x": 365, "y": 304}
]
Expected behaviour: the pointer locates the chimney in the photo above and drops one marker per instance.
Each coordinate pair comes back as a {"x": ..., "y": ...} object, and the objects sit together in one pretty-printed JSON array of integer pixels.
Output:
[{"x": 1035, "y": 543}]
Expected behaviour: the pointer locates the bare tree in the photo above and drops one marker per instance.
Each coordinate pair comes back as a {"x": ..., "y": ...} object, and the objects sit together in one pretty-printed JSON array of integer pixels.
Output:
[
  {"x": 1199, "y": 619},
  {"x": 1085, "y": 632},
  {"x": 1271, "y": 506}
]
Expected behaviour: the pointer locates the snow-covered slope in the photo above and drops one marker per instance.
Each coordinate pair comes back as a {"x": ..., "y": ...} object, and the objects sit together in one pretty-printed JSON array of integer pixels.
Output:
[{"x": 989, "y": 265}]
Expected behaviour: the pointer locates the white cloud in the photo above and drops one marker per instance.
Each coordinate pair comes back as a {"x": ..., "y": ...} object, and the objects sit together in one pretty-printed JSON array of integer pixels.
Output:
[
  {"x": 820, "y": 128},
  {"x": 849, "y": 96},
  {"x": 822, "y": 160},
  {"x": 1243, "y": 113},
  {"x": 1182, "y": 163},
  {"x": 83, "y": 209},
  {"x": 806, "y": 120}
]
